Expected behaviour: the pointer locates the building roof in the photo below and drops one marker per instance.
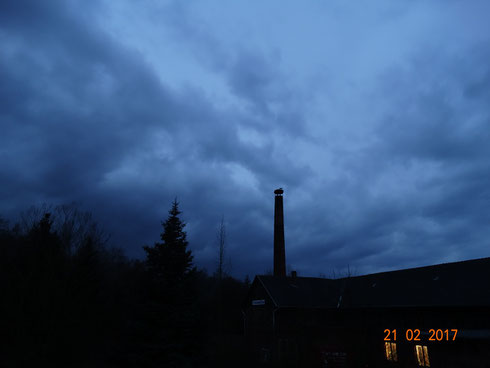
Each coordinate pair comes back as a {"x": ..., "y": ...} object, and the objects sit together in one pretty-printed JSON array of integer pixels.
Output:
[
  {"x": 465, "y": 283},
  {"x": 301, "y": 291}
]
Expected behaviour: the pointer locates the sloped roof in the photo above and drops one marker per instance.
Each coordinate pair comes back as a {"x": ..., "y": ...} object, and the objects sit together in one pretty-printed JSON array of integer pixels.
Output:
[
  {"x": 301, "y": 291},
  {"x": 465, "y": 283}
]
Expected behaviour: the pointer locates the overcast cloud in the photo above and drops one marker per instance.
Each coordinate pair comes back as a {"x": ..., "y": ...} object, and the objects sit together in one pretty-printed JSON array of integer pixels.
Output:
[{"x": 373, "y": 116}]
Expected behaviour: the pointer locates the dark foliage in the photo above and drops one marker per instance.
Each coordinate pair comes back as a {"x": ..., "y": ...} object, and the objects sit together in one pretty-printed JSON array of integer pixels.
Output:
[
  {"x": 170, "y": 261},
  {"x": 68, "y": 300}
]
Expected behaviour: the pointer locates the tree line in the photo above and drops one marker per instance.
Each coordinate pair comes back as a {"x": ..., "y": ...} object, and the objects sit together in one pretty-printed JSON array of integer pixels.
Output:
[{"x": 69, "y": 300}]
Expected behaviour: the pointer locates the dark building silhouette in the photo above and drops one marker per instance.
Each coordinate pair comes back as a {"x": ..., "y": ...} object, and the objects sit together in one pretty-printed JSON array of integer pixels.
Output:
[
  {"x": 434, "y": 316},
  {"x": 279, "y": 251}
]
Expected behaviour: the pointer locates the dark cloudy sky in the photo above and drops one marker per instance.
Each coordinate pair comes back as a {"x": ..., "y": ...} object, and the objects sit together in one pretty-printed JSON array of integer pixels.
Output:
[{"x": 374, "y": 116}]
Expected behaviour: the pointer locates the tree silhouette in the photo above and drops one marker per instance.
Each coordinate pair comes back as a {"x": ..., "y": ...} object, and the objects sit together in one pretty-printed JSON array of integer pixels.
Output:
[
  {"x": 72, "y": 225},
  {"x": 69, "y": 300},
  {"x": 172, "y": 312},
  {"x": 170, "y": 261}
]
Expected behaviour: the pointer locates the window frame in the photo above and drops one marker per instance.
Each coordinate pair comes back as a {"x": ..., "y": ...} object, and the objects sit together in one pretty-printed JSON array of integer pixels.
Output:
[
  {"x": 423, "y": 357},
  {"x": 391, "y": 354}
]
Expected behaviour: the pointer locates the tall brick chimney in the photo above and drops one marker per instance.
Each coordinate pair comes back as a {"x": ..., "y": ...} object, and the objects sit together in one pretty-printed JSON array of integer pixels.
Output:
[{"x": 279, "y": 250}]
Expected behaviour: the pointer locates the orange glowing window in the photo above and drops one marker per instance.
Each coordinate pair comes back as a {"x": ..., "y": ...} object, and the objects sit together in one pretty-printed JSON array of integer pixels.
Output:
[
  {"x": 390, "y": 351},
  {"x": 422, "y": 355}
]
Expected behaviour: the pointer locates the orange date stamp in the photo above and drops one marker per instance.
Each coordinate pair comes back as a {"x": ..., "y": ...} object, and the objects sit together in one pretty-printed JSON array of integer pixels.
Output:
[{"x": 414, "y": 335}]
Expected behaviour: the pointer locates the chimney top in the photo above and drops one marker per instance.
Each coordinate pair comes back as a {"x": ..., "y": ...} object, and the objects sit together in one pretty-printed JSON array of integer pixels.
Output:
[{"x": 278, "y": 191}]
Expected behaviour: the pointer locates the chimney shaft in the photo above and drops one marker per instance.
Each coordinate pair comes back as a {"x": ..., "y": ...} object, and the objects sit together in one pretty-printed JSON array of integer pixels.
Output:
[{"x": 279, "y": 250}]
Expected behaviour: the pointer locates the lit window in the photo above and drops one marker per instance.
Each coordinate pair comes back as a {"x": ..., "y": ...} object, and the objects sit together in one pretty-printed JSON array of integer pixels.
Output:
[
  {"x": 422, "y": 355},
  {"x": 390, "y": 350}
]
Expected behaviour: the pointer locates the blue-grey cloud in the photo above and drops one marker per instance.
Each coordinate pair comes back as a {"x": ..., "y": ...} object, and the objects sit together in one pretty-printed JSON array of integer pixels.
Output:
[{"x": 383, "y": 152}]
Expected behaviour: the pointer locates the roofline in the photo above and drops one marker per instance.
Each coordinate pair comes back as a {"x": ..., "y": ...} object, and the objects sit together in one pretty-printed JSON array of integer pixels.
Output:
[
  {"x": 299, "y": 277},
  {"x": 387, "y": 272},
  {"x": 413, "y": 268},
  {"x": 481, "y": 306}
]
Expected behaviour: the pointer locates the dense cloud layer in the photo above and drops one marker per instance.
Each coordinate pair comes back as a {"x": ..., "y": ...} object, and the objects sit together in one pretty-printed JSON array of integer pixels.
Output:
[{"x": 376, "y": 122}]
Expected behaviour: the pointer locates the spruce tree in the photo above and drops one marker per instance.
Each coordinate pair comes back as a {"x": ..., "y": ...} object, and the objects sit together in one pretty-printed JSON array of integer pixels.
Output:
[
  {"x": 172, "y": 316},
  {"x": 170, "y": 261}
]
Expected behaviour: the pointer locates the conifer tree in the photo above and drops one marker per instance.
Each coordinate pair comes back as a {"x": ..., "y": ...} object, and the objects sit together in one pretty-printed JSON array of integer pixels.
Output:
[
  {"x": 173, "y": 318},
  {"x": 170, "y": 261}
]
